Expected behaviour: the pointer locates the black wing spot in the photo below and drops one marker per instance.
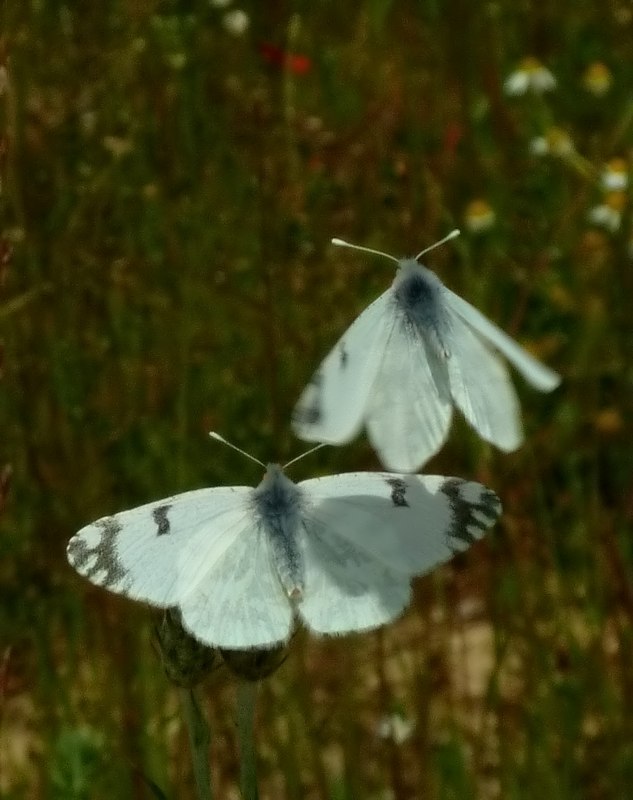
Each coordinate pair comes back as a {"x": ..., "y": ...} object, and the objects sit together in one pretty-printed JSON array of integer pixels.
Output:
[
  {"x": 398, "y": 492},
  {"x": 160, "y": 518},
  {"x": 344, "y": 356}
]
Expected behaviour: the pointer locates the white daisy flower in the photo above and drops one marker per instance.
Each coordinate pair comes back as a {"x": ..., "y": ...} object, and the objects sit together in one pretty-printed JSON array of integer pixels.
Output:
[
  {"x": 608, "y": 214},
  {"x": 530, "y": 76},
  {"x": 396, "y": 727},
  {"x": 615, "y": 176},
  {"x": 236, "y": 22},
  {"x": 555, "y": 142}
]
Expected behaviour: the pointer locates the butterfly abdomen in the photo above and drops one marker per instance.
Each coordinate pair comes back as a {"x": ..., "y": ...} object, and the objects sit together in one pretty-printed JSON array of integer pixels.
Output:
[{"x": 278, "y": 504}]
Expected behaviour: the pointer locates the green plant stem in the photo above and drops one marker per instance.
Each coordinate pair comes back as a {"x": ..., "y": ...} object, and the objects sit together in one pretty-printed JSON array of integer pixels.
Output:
[
  {"x": 246, "y": 695},
  {"x": 199, "y": 738}
]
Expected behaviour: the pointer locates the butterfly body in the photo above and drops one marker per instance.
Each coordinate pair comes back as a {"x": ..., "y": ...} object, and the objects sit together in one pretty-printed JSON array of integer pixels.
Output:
[{"x": 279, "y": 506}]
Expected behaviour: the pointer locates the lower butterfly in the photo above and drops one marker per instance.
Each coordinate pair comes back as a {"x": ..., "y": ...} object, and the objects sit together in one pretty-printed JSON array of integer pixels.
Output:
[{"x": 243, "y": 563}]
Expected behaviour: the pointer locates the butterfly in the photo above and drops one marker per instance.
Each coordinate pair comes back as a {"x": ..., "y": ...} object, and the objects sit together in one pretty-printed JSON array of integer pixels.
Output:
[
  {"x": 416, "y": 352},
  {"x": 241, "y": 564}
]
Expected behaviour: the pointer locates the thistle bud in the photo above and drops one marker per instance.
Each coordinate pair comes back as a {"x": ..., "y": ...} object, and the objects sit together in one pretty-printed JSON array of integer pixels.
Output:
[{"x": 186, "y": 661}]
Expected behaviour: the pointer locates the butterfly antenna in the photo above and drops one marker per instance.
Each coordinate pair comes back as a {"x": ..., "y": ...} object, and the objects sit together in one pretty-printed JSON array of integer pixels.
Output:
[
  {"x": 307, "y": 453},
  {"x": 343, "y": 243},
  {"x": 219, "y": 438},
  {"x": 452, "y": 235}
]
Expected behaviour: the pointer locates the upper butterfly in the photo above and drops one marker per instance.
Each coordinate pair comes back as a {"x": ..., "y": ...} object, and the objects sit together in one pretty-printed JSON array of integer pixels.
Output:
[
  {"x": 240, "y": 563},
  {"x": 402, "y": 364}
]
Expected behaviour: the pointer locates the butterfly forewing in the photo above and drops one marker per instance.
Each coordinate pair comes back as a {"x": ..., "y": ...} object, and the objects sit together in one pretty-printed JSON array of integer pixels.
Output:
[
  {"x": 331, "y": 406},
  {"x": 157, "y": 551},
  {"x": 408, "y": 523},
  {"x": 535, "y": 373}
]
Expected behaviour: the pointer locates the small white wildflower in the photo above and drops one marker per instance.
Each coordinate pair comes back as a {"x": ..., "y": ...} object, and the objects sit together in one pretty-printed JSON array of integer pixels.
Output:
[
  {"x": 615, "y": 176},
  {"x": 556, "y": 142},
  {"x": 479, "y": 216},
  {"x": 608, "y": 215},
  {"x": 236, "y": 22},
  {"x": 530, "y": 75},
  {"x": 396, "y": 727}
]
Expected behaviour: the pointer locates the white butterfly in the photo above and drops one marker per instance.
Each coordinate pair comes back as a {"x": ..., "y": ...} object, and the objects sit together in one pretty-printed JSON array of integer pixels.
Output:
[
  {"x": 241, "y": 563},
  {"x": 405, "y": 361}
]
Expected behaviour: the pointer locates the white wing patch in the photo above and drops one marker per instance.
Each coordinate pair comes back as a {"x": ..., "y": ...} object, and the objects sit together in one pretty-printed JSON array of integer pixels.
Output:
[{"x": 332, "y": 405}]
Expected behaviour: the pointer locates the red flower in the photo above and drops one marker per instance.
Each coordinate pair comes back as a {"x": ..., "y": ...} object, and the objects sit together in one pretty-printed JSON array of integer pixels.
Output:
[{"x": 277, "y": 57}]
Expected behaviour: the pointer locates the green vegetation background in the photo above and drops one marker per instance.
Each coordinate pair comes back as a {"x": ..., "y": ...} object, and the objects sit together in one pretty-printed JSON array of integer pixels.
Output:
[{"x": 169, "y": 189}]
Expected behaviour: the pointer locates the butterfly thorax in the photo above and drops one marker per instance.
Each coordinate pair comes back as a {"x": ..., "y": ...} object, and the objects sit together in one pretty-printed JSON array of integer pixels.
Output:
[
  {"x": 418, "y": 296},
  {"x": 278, "y": 506}
]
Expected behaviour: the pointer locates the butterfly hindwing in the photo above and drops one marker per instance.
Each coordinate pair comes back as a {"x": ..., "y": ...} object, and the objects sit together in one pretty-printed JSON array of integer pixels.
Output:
[
  {"x": 482, "y": 389},
  {"x": 346, "y": 589},
  {"x": 410, "y": 408},
  {"x": 240, "y": 603}
]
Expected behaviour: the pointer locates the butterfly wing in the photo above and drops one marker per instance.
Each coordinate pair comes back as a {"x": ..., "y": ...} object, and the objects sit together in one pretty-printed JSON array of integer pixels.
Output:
[
  {"x": 332, "y": 406},
  {"x": 239, "y": 603},
  {"x": 481, "y": 388},
  {"x": 345, "y": 589},
  {"x": 155, "y": 552},
  {"x": 410, "y": 407},
  {"x": 534, "y": 372},
  {"x": 366, "y": 534}
]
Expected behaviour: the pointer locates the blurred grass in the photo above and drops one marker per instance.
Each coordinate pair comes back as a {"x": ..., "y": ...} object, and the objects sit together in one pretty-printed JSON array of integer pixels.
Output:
[{"x": 168, "y": 194}]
